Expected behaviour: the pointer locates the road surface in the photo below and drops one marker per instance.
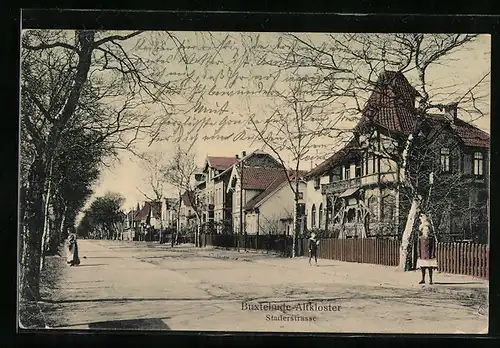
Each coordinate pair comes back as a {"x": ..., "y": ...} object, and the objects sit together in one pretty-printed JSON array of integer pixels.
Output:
[{"x": 147, "y": 286}]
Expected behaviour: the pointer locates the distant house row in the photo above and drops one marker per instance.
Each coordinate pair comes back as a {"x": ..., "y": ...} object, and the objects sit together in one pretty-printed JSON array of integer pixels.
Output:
[{"x": 355, "y": 192}]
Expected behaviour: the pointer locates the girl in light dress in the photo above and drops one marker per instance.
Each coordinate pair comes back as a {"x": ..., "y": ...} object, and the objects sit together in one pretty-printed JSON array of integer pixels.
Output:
[{"x": 426, "y": 249}]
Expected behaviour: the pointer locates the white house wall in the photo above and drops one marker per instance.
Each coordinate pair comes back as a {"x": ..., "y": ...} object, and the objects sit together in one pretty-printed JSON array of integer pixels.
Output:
[
  {"x": 279, "y": 205},
  {"x": 314, "y": 196}
]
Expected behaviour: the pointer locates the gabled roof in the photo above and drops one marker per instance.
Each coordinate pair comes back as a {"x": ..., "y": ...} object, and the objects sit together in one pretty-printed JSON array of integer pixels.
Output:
[
  {"x": 150, "y": 209},
  {"x": 333, "y": 160},
  {"x": 391, "y": 104},
  {"x": 279, "y": 181},
  {"x": 220, "y": 163},
  {"x": 253, "y": 153},
  {"x": 468, "y": 134},
  {"x": 259, "y": 178}
]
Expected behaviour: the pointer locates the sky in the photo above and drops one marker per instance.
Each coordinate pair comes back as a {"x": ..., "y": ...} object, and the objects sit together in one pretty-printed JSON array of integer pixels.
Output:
[{"x": 228, "y": 85}]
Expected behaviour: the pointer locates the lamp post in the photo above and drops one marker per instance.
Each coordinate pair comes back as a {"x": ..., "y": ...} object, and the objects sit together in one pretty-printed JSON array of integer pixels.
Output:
[
  {"x": 257, "y": 211},
  {"x": 241, "y": 200}
]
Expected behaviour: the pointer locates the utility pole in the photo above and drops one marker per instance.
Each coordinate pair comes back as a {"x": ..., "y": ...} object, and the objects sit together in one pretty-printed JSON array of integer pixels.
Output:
[
  {"x": 241, "y": 199},
  {"x": 239, "y": 225}
]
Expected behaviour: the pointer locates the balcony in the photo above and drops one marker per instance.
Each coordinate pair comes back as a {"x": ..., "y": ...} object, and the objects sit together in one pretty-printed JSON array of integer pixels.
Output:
[{"x": 371, "y": 179}]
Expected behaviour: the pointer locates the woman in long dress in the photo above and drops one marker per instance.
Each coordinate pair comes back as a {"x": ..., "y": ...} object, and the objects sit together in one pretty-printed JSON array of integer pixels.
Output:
[
  {"x": 73, "y": 259},
  {"x": 426, "y": 249}
]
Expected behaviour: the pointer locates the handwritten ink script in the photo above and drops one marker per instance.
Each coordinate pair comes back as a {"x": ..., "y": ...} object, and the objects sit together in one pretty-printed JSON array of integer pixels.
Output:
[{"x": 229, "y": 90}]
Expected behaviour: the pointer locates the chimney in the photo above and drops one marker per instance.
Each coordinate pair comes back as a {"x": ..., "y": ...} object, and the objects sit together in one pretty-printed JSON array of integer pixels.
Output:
[{"x": 450, "y": 112}]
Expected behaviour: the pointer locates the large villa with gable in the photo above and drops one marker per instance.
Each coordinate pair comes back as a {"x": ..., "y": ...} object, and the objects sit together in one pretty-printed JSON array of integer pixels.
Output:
[{"x": 356, "y": 192}]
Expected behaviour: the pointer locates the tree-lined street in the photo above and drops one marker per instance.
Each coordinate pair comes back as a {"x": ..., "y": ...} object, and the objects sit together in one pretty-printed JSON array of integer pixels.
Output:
[{"x": 156, "y": 287}]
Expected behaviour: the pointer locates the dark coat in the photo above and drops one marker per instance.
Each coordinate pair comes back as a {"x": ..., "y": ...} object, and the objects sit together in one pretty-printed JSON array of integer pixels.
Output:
[
  {"x": 313, "y": 246},
  {"x": 426, "y": 247}
]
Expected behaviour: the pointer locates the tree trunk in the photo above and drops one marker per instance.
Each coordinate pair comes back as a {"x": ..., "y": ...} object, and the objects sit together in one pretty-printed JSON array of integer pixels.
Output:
[
  {"x": 405, "y": 249},
  {"x": 46, "y": 218},
  {"x": 197, "y": 233},
  {"x": 296, "y": 220},
  {"x": 32, "y": 239},
  {"x": 57, "y": 232}
]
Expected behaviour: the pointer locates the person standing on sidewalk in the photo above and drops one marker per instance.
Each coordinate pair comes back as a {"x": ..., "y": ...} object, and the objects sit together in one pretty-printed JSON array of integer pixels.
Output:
[
  {"x": 426, "y": 249},
  {"x": 313, "y": 248},
  {"x": 73, "y": 258}
]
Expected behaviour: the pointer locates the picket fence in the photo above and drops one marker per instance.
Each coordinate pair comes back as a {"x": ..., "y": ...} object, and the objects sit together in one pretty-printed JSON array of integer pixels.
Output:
[{"x": 457, "y": 258}]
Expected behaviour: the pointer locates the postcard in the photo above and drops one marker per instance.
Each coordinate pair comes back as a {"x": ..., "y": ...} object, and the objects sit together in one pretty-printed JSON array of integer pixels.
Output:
[{"x": 254, "y": 181}]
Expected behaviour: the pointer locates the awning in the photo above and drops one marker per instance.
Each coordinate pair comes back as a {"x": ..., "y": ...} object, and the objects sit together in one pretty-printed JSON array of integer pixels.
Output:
[{"x": 349, "y": 192}]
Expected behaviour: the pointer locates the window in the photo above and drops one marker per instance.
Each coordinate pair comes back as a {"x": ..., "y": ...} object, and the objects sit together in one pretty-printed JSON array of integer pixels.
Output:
[
  {"x": 445, "y": 159},
  {"x": 300, "y": 195},
  {"x": 313, "y": 216},
  {"x": 351, "y": 215},
  {"x": 357, "y": 171},
  {"x": 320, "y": 218},
  {"x": 388, "y": 205},
  {"x": 316, "y": 183},
  {"x": 347, "y": 172},
  {"x": 373, "y": 165},
  {"x": 478, "y": 163}
]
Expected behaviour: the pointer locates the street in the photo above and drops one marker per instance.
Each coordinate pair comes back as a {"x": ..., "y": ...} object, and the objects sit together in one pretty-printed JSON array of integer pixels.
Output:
[{"x": 149, "y": 286}]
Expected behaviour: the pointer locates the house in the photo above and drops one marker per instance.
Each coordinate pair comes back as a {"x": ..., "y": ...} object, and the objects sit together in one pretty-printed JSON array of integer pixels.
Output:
[
  {"x": 148, "y": 219},
  {"x": 217, "y": 200},
  {"x": 249, "y": 178},
  {"x": 359, "y": 184},
  {"x": 169, "y": 212},
  {"x": 272, "y": 210},
  {"x": 217, "y": 175},
  {"x": 187, "y": 213}
]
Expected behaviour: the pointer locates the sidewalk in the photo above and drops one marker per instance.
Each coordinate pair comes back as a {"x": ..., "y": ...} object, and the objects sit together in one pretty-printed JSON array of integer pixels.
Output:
[{"x": 352, "y": 272}]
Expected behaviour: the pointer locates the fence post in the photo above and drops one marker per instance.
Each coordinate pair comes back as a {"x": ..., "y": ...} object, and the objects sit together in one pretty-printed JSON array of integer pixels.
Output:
[
  {"x": 447, "y": 267},
  {"x": 363, "y": 248},
  {"x": 477, "y": 262},
  {"x": 487, "y": 263}
]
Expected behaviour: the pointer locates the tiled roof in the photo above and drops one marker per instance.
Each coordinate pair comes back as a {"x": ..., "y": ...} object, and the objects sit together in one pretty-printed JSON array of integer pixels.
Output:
[
  {"x": 142, "y": 214},
  {"x": 153, "y": 208},
  {"x": 221, "y": 163},
  {"x": 246, "y": 158},
  {"x": 333, "y": 160},
  {"x": 391, "y": 104},
  {"x": 467, "y": 133},
  {"x": 279, "y": 180},
  {"x": 259, "y": 178}
]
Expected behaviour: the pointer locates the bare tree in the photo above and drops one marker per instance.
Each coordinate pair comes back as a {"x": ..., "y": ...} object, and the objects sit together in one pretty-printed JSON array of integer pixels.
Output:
[
  {"x": 154, "y": 164},
  {"x": 349, "y": 65},
  {"x": 180, "y": 172},
  {"x": 66, "y": 79},
  {"x": 296, "y": 124}
]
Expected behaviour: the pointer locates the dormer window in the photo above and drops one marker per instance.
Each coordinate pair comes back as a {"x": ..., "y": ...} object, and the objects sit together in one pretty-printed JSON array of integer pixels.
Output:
[
  {"x": 445, "y": 160},
  {"x": 478, "y": 163}
]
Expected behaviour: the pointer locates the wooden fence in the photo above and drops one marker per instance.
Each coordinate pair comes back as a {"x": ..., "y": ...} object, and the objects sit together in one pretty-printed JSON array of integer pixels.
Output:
[
  {"x": 457, "y": 258},
  {"x": 464, "y": 258},
  {"x": 363, "y": 250}
]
